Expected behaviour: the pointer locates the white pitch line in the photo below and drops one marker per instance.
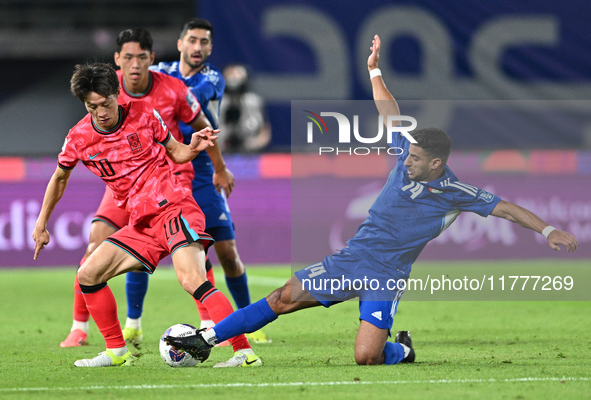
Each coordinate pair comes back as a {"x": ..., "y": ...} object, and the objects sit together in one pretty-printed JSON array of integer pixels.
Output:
[{"x": 292, "y": 384}]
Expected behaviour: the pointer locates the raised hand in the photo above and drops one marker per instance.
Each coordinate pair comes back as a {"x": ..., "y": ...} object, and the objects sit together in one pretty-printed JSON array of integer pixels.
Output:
[
  {"x": 374, "y": 57},
  {"x": 203, "y": 139}
]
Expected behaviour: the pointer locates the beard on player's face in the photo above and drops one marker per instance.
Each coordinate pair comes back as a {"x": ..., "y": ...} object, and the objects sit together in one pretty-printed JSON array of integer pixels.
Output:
[
  {"x": 417, "y": 174},
  {"x": 195, "y": 59}
]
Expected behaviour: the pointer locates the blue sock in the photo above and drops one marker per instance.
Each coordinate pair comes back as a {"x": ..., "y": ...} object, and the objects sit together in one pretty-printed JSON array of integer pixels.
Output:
[
  {"x": 136, "y": 286},
  {"x": 245, "y": 320},
  {"x": 238, "y": 287},
  {"x": 394, "y": 353}
]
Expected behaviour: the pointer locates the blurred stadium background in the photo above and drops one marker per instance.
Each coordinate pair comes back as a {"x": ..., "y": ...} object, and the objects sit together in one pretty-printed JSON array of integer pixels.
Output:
[{"x": 510, "y": 81}]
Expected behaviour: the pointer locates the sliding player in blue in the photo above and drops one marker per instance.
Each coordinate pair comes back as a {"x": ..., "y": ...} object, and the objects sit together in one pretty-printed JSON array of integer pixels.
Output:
[{"x": 420, "y": 199}]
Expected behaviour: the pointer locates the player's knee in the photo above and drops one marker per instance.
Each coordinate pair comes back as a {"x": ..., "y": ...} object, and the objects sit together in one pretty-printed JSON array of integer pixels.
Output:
[
  {"x": 280, "y": 300},
  {"x": 86, "y": 276},
  {"x": 190, "y": 282},
  {"x": 189, "y": 285},
  {"x": 82, "y": 276},
  {"x": 230, "y": 262},
  {"x": 368, "y": 358},
  {"x": 274, "y": 300}
]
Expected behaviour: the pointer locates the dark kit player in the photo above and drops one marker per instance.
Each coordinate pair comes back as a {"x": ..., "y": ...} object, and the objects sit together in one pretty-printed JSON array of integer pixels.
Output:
[{"x": 420, "y": 199}]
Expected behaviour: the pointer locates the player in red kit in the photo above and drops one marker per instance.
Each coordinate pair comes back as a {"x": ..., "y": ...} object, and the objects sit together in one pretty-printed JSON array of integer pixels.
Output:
[
  {"x": 130, "y": 147},
  {"x": 175, "y": 103}
]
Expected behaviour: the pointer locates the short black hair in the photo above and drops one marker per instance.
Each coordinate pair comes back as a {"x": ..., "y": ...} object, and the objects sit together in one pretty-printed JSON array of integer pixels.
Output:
[
  {"x": 196, "y": 23},
  {"x": 434, "y": 141},
  {"x": 100, "y": 78},
  {"x": 138, "y": 35}
]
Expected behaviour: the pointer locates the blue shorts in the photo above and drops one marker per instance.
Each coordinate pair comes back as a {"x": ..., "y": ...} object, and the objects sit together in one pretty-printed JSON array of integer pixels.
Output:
[
  {"x": 215, "y": 207},
  {"x": 345, "y": 276},
  {"x": 221, "y": 233}
]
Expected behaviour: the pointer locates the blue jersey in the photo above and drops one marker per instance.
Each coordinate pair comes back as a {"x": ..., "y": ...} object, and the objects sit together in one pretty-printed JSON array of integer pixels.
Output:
[
  {"x": 408, "y": 214},
  {"x": 208, "y": 87}
]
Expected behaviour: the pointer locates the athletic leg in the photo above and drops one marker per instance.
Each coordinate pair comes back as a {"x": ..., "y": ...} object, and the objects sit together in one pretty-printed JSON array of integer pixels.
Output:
[
  {"x": 373, "y": 348},
  {"x": 284, "y": 300},
  {"x": 253, "y": 318},
  {"x": 99, "y": 231},
  {"x": 136, "y": 287},
  {"x": 281, "y": 301},
  {"x": 236, "y": 278},
  {"x": 371, "y": 344},
  {"x": 221, "y": 228},
  {"x": 206, "y": 321},
  {"x": 234, "y": 271},
  {"x": 189, "y": 265},
  {"x": 105, "y": 263}
]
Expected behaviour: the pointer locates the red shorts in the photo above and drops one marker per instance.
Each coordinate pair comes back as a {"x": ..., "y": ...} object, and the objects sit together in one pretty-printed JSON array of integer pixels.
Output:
[
  {"x": 155, "y": 237},
  {"x": 117, "y": 217},
  {"x": 110, "y": 213}
]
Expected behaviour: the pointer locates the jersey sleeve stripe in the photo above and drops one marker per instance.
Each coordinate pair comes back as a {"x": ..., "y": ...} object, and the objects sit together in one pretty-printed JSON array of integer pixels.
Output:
[
  {"x": 165, "y": 141},
  {"x": 467, "y": 186},
  {"x": 194, "y": 119},
  {"x": 462, "y": 188}
]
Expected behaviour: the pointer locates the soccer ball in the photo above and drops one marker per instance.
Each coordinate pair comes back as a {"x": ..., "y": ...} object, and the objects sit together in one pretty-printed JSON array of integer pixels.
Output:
[{"x": 171, "y": 356}]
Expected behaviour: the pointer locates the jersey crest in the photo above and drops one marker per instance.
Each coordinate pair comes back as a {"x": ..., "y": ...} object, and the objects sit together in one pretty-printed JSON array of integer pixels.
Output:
[
  {"x": 212, "y": 75},
  {"x": 134, "y": 143}
]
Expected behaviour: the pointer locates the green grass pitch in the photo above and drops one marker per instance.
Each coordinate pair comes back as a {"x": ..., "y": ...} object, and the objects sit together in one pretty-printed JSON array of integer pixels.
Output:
[{"x": 465, "y": 349}]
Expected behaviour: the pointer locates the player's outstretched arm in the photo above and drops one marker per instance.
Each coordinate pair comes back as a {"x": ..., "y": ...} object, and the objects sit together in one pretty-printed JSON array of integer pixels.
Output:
[
  {"x": 527, "y": 219},
  {"x": 54, "y": 192},
  {"x": 181, "y": 153},
  {"x": 223, "y": 179},
  {"x": 385, "y": 102}
]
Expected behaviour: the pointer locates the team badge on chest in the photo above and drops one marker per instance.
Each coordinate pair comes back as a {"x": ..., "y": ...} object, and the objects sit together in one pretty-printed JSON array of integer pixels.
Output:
[{"x": 134, "y": 143}]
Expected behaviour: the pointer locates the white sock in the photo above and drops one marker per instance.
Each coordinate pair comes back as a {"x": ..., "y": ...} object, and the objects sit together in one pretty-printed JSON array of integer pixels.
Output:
[
  {"x": 119, "y": 351},
  {"x": 206, "y": 323},
  {"x": 134, "y": 323},
  {"x": 406, "y": 349},
  {"x": 80, "y": 325},
  {"x": 247, "y": 351},
  {"x": 209, "y": 337}
]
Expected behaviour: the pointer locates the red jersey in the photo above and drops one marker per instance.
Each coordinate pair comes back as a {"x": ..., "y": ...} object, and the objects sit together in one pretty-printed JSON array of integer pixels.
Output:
[
  {"x": 130, "y": 158},
  {"x": 173, "y": 101}
]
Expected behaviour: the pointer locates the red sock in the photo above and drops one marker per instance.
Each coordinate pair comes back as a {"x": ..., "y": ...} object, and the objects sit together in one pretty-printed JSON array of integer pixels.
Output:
[
  {"x": 219, "y": 307},
  {"x": 203, "y": 313},
  {"x": 103, "y": 308},
  {"x": 80, "y": 311}
]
